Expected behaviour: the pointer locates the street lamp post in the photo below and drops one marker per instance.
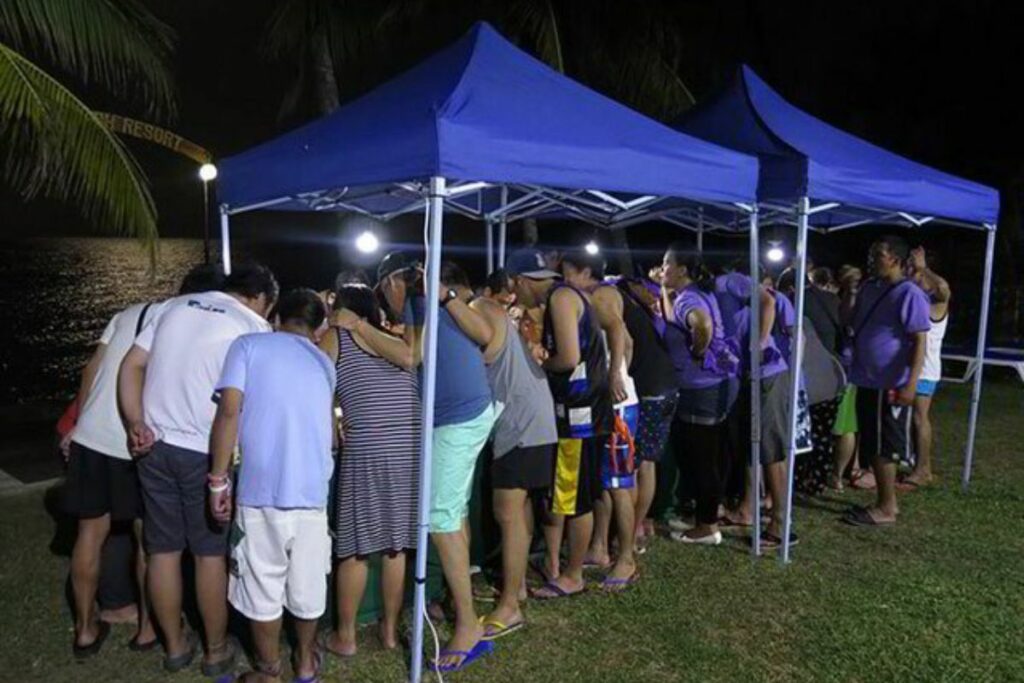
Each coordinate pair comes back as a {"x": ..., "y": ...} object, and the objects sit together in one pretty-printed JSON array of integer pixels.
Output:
[{"x": 207, "y": 172}]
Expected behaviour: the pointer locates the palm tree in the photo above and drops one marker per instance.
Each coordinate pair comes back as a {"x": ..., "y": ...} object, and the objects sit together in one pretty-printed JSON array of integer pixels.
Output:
[
  {"x": 627, "y": 50},
  {"x": 54, "y": 144}
]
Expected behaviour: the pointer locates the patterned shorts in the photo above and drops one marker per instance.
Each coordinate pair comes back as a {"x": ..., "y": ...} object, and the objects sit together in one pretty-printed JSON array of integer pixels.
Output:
[{"x": 654, "y": 425}]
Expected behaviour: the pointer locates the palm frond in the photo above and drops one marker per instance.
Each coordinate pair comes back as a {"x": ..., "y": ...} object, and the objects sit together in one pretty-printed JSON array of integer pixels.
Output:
[
  {"x": 535, "y": 22},
  {"x": 115, "y": 44},
  {"x": 56, "y": 147}
]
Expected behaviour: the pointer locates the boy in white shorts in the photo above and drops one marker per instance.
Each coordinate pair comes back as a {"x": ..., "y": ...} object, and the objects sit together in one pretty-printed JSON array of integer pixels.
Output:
[{"x": 281, "y": 552}]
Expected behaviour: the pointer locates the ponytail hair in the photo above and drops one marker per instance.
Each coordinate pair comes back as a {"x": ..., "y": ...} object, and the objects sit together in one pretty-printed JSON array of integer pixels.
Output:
[{"x": 683, "y": 255}]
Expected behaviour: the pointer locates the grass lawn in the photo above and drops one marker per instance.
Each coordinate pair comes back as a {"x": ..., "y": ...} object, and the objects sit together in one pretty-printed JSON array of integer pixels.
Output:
[{"x": 938, "y": 598}]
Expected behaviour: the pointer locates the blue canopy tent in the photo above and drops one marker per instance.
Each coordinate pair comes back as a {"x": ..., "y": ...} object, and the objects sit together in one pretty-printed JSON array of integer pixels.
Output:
[
  {"x": 818, "y": 177},
  {"x": 484, "y": 130}
]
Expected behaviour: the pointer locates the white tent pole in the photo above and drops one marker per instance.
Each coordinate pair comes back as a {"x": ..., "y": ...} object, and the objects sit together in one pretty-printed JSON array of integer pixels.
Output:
[
  {"x": 489, "y": 226},
  {"x": 755, "y": 378},
  {"x": 503, "y": 227},
  {"x": 986, "y": 292},
  {"x": 225, "y": 239},
  {"x": 435, "y": 213},
  {"x": 796, "y": 362}
]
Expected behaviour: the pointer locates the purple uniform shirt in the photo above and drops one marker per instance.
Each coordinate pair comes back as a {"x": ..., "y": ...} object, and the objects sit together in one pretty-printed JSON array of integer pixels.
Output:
[
  {"x": 697, "y": 373},
  {"x": 884, "y": 333},
  {"x": 732, "y": 292}
]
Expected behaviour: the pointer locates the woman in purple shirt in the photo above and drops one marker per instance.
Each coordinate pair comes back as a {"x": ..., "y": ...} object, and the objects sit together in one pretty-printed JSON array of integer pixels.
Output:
[{"x": 706, "y": 369}]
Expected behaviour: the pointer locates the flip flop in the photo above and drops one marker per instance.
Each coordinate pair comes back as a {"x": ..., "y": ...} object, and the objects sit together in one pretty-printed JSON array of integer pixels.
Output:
[
  {"x": 86, "y": 651},
  {"x": 318, "y": 665},
  {"x": 859, "y": 516},
  {"x": 184, "y": 660},
  {"x": 538, "y": 567},
  {"x": 482, "y": 648},
  {"x": 501, "y": 629},
  {"x": 557, "y": 590},
  {"x": 727, "y": 522},
  {"x": 771, "y": 541},
  {"x": 135, "y": 646},
  {"x": 223, "y": 666},
  {"x": 856, "y": 479},
  {"x": 614, "y": 585}
]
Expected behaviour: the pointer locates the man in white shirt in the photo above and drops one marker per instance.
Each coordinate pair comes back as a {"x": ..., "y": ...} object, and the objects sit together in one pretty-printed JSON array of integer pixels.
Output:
[
  {"x": 165, "y": 390},
  {"x": 102, "y": 484}
]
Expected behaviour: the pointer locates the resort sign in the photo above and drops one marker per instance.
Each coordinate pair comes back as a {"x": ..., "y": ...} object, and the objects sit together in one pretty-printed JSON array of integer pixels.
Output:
[{"x": 147, "y": 131}]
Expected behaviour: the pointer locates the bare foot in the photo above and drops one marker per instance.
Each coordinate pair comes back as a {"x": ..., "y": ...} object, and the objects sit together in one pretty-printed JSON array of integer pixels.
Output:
[
  {"x": 388, "y": 635},
  {"x": 340, "y": 646},
  {"x": 623, "y": 569}
]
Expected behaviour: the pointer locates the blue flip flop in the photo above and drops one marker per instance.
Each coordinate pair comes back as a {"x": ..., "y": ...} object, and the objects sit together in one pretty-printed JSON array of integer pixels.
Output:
[{"x": 483, "y": 647}]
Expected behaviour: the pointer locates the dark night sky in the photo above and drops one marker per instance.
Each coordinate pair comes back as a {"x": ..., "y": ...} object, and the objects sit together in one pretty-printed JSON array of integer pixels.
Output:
[{"x": 931, "y": 80}]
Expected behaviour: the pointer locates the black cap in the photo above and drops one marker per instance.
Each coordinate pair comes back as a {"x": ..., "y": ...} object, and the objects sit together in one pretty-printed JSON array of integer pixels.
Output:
[{"x": 394, "y": 262}]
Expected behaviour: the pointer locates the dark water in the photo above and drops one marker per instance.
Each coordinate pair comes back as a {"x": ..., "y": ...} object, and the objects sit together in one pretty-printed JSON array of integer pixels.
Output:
[{"x": 58, "y": 294}]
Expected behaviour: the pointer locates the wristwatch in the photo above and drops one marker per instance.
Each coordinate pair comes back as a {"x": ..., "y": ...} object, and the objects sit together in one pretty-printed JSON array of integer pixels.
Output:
[{"x": 449, "y": 297}]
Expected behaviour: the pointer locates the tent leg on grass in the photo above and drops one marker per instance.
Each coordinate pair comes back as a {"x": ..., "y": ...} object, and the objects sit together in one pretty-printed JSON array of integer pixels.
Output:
[
  {"x": 755, "y": 378},
  {"x": 225, "y": 239},
  {"x": 972, "y": 424},
  {"x": 435, "y": 220},
  {"x": 796, "y": 358}
]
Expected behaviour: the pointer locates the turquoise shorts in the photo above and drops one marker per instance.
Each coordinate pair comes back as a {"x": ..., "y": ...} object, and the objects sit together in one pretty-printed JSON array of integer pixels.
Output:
[
  {"x": 927, "y": 387},
  {"x": 456, "y": 448}
]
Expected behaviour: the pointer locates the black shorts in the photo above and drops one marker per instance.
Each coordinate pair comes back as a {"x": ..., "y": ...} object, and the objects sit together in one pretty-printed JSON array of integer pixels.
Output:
[
  {"x": 174, "y": 492},
  {"x": 528, "y": 468},
  {"x": 99, "y": 484},
  {"x": 577, "y": 476},
  {"x": 884, "y": 427}
]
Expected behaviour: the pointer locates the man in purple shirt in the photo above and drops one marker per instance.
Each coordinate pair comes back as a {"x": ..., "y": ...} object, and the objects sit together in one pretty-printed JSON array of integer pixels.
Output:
[{"x": 889, "y": 336}]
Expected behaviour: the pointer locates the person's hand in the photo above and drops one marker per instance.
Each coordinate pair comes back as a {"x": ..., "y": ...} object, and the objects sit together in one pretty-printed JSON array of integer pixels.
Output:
[
  {"x": 346, "y": 319},
  {"x": 140, "y": 439},
  {"x": 617, "y": 386},
  {"x": 917, "y": 259},
  {"x": 905, "y": 396},
  {"x": 538, "y": 352},
  {"x": 65, "y": 445},
  {"x": 220, "y": 505},
  {"x": 656, "y": 275}
]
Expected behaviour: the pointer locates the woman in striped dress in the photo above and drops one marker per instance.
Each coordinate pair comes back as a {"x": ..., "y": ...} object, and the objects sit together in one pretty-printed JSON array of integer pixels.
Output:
[{"x": 378, "y": 475}]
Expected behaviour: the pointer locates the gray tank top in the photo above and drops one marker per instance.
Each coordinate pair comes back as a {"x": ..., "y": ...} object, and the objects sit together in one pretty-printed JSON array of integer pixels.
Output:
[{"x": 520, "y": 389}]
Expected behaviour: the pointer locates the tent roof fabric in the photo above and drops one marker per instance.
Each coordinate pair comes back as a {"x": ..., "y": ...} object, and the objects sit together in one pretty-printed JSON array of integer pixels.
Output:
[
  {"x": 481, "y": 110},
  {"x": 803, "y": 156}
]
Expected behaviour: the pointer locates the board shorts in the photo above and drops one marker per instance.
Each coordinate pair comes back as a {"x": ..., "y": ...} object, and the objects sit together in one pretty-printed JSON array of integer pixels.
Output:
[
  {"x": 527, "y": 467},
  {"x": 884, "y": 427},
  {"x": 927, "y": 387},
  {"x": 98, "y": 484},
  {"x": 173, "y": 481},
  {"x": 618, "y": 450},
  {"x": 456, "y": 448},
  {"x": 846, "y": 415},
  {"x": 654, "y": 426},
  {"x": 577, "y": 477},
  {"x": 281, "y": 562}
]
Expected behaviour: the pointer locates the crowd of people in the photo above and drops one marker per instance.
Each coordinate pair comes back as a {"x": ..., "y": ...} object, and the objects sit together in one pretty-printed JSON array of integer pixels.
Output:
[{"x": 276, "y": 437}]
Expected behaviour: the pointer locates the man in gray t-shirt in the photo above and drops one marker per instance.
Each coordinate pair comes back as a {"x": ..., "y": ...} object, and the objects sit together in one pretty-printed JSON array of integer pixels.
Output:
[{"x": 524, "y": 445}]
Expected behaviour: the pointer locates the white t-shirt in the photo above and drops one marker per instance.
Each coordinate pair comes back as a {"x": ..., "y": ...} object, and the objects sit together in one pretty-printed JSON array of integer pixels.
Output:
[
  {"x": 187, "y": 346},
  {"x": 99, "y": 425},
  {"x": 931, "y": 369}
]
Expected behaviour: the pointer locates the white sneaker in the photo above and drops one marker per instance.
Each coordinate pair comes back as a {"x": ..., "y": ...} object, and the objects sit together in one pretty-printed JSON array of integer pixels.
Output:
[
  {"x": 679, "y": 524},
  {"x": 710, "y": 539}
]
